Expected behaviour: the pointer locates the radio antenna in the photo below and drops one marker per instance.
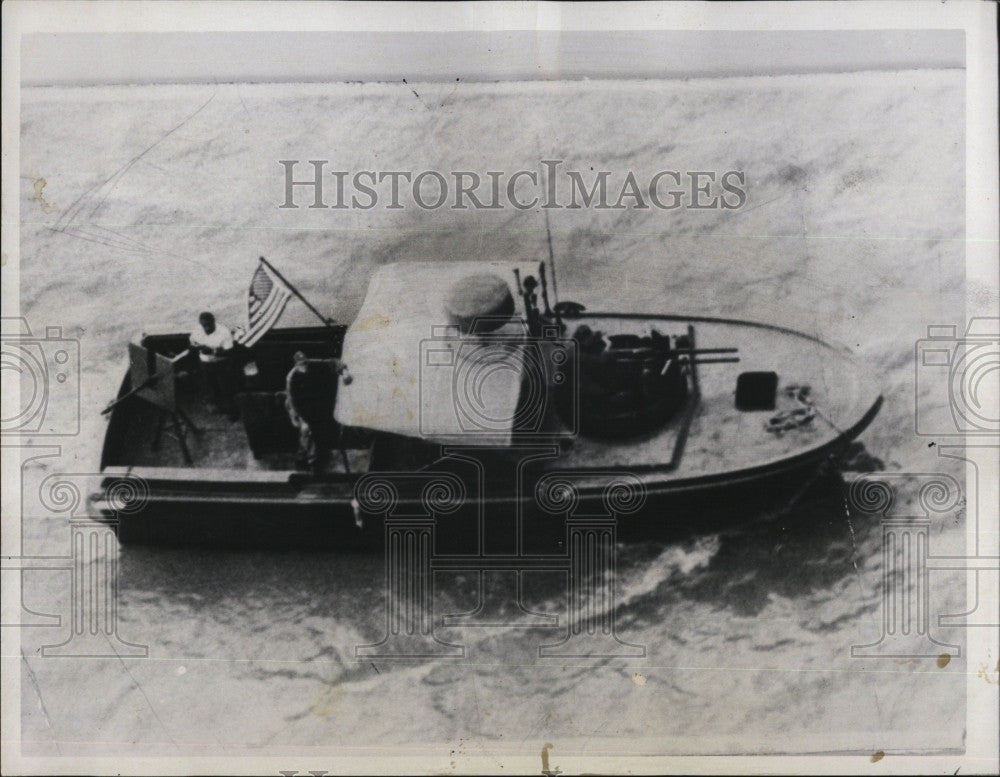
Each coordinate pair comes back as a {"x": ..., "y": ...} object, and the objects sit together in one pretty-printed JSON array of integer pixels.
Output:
[
  {"x": 552, "y": 257},
  {"x": 545, "y": 288}
]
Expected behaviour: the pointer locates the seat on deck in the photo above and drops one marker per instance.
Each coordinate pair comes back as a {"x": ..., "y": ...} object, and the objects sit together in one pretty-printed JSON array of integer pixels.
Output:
[{"x": 266, "y": 421}]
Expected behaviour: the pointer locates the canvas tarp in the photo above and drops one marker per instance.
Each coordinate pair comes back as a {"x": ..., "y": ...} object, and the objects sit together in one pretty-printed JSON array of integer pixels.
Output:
[{"x": 416, "y": 375}]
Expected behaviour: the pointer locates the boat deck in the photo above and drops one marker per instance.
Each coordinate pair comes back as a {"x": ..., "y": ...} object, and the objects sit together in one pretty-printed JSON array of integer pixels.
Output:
[
  {"x": 218, "y": 443},
  {"x": 720, "y": 439},
  {"x": 141, "y": 434}
]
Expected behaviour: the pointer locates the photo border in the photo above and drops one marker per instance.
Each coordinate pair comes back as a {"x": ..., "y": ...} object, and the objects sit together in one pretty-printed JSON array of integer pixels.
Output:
[{"x": 978, "y": 20}]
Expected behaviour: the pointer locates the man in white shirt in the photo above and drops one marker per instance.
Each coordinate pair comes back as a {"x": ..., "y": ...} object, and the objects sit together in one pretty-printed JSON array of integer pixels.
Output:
[{"x": 214, "y": 344}]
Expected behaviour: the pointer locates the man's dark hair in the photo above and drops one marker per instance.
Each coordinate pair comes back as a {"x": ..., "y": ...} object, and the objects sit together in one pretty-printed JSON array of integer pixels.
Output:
[{"x": 206, "y": 318}]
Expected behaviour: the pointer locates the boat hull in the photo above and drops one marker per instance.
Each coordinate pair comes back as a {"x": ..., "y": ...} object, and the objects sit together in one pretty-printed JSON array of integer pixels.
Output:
[
  {"x": 732, "y": 464},
  {"x": 294, "y": 518}
]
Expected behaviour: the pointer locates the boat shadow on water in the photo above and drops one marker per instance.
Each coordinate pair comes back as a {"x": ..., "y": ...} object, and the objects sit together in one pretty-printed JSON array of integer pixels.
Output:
[
  {"x": 796, "y": 550},
  {"x": 336, "y": 602}
]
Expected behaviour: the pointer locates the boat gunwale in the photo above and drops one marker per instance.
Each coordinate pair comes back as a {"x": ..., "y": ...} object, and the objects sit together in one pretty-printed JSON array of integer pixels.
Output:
[{"x": 662, "y": 486}]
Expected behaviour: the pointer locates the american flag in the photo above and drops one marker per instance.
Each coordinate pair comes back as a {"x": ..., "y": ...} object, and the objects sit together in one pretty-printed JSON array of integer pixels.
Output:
[{"x": 265, "y": 304}]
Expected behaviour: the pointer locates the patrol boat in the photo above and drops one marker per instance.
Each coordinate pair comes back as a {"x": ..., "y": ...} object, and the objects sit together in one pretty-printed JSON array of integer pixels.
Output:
[{"x": 474, "y": 401}]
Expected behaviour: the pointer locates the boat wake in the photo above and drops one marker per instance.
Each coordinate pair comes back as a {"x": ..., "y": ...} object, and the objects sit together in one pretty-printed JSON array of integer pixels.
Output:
[{"x": 647, "y": 577}]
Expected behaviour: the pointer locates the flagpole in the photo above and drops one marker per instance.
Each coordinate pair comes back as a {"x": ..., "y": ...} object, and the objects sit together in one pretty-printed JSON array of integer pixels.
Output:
[{"x": 296, "y": 292}]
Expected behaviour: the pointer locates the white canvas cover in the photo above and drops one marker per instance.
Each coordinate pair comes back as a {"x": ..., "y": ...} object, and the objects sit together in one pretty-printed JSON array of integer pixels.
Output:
[{"x": 415, "y": 375}]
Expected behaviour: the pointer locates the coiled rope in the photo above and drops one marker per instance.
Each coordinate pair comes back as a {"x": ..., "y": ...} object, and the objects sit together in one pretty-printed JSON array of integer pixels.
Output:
[{"x": 786, "y": 420}]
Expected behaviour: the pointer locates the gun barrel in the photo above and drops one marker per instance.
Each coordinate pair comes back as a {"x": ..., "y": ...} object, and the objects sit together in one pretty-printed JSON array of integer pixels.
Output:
[
  {"x": 683, "y": 351},
  {"x": 699, "y": 351}
]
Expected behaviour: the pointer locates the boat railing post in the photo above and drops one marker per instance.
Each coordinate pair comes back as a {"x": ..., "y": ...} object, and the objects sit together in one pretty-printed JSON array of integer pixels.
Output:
[
  {"x": 692, "y": 406},
  {"x": 693, "y": 362},
  {"x": 343, "y": 450}
]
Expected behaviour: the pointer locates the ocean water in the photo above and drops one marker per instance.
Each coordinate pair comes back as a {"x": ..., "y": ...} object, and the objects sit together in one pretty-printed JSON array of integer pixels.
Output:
[{"x": 141, "y": 206}]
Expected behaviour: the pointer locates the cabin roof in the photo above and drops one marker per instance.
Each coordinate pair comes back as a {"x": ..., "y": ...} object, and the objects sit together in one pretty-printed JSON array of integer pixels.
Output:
[{"x": 416, "y": 375}]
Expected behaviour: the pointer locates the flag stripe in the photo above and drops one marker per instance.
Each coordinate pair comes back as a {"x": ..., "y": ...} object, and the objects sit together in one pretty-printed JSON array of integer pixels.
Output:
[
  {"x": 266, "y": 301},
  {"x": 254, "y": 335},
  {"x": 265, "y": 311},
  {"x": 265, "y": 322}
]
